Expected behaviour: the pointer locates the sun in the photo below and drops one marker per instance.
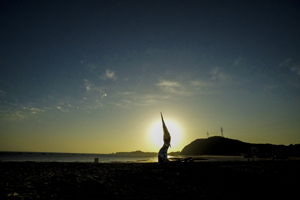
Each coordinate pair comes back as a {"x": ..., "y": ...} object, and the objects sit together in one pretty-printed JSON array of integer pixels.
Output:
[{"x": 156, "y": 133}]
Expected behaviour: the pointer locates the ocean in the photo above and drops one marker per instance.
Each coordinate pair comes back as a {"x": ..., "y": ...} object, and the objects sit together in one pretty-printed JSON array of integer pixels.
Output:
[
  {"x": 102, "y": 158},
  {"x": 71, "y": 157}
]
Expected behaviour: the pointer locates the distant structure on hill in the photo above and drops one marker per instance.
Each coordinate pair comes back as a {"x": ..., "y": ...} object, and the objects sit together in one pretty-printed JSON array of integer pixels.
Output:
[{"x": 222, "y": 132}]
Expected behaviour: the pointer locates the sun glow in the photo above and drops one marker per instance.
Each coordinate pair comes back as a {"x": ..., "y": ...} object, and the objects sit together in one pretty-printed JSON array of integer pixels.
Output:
[{"x": 156, "y": 133}]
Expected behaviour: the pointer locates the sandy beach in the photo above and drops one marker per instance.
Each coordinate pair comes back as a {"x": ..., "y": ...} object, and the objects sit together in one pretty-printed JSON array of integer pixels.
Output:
[{"x": 207, "y": 180}]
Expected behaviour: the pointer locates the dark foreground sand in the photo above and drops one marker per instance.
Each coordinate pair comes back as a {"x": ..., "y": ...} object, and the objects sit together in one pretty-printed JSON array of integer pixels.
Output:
[{"x": 209, "y": 180}]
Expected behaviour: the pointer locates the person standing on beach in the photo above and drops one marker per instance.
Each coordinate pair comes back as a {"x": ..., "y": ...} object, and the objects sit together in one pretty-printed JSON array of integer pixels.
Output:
[{"x": 163, "y": 152}]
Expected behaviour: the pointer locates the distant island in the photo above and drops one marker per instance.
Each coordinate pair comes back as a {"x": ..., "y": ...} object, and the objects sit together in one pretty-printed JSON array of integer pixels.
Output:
[{"x": 218, "y": 145}]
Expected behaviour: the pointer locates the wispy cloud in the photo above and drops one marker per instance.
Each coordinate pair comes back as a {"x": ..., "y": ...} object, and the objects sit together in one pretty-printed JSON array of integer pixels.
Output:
[
  {"x": 63, "y": 108},
  {"x": 170, "y": 86},
  {"x": 214, "y": 73},
  {"x": 98, "y": 71},
  {"x": 286, "y": 62},
  {"x": 17, "y": 115},
  {"x": 109, "y": 75},
  {"x": 217, "y": 74},
  {"x": 237, "y": 61},
  {"x": 17, "y": 112},
  {"x": 127, "y": 93},
  {"x": 2, "y": 93},
  {"x": 36, "y": 110},
  {"x": 270, "y": 87},
  {"x": 296, "y": 69},
  {"x": 91, "y": 67},
  {"x": 147, "y": 100},
  {"x": 185, "y": 87},
  {"x": 92, "y": 88},
  {"x": 140, "y": 99},
  {"x": 88, "y": 85},
  {"x": 197, "y": 83},
  {"x": 292, "y": 66}
]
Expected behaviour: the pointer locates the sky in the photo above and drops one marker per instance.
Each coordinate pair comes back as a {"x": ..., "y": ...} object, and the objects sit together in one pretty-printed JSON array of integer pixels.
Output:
[{"x": 93, "y": 76}]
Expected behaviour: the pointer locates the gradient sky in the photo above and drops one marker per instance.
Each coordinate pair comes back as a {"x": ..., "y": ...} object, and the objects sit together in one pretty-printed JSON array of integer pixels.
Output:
[{"x": 93, "y": 76}]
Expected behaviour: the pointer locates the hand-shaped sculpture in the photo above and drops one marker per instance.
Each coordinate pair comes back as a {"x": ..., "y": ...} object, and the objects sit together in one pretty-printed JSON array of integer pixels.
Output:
[{"x": 162, "y": 154}]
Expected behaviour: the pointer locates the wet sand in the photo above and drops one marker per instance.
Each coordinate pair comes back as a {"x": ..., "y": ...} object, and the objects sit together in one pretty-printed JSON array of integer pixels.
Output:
[{"x": 206, "y": 180}]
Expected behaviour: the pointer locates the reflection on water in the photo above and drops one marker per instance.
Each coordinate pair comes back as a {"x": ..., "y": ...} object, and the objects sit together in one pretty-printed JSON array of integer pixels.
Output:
[
  {"x": 210, "y": 158},
  {"x": 71, "y": 157},
  {"x": 102, "y": 158}
]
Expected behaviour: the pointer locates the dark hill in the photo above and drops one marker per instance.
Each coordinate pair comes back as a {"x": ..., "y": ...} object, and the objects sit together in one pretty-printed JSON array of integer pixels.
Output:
[
  {"x": 216, "y": 146},
  {"x": 224, "y": 146}
]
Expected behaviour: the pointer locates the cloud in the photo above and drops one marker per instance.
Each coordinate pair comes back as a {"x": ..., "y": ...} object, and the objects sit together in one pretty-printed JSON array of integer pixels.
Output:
[
  {"x": 141, "y": 99},
  {"x": 170, "y": 86},
  {"x": 198, "y": 83},
  {"x": 96, "y": 70},
  {"x": 217, "y": 74},
  {"x": 91, "y": 88},
  {"x": 17, "y": 115},
  {"x": 183, "y": 89},
  {"x": 292, "y": 66},
  {"x": 88, "y": 85},
  {"x": 17, "y": 112},
  {"x": 63, "y": 109},
  {"x": 109, "y": 75},
  {"x": 214, "y": 73},
  {"x": 2, "y": 93},
  {"x": 296, "y": 70},
  {"x": 187, "y": 87},
  {"x": 90, "y": 67},
  {"x": 237, "y": 61},
  {"x": 147, "y": 100},
  {"x": 286, "y": 62},
  {"x": 127, "y": 93},
  {"x": 36, "y": 110}
]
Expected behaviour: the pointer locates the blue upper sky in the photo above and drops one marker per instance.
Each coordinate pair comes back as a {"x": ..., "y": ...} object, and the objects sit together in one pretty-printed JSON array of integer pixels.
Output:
[{"x": 93, "y": 76}]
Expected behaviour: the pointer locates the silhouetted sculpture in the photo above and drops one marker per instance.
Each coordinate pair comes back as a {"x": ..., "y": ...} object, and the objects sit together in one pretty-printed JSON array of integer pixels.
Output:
[{"x": 163, "y": 152}]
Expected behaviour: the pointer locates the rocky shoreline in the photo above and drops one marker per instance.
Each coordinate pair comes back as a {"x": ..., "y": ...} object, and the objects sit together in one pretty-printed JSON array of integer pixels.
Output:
[{"x": 209, "y": 180}]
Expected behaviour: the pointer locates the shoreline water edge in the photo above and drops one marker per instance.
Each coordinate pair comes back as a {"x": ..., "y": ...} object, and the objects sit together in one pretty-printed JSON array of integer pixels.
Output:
[
  {"x": 73, "y": 157},
  {"x": 104, "y": 158},
  {"x": 111, "y": 158}
]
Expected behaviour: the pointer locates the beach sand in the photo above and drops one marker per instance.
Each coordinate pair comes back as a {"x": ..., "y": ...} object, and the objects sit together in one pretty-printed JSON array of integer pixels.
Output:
[{"x": 203, "y": 180}]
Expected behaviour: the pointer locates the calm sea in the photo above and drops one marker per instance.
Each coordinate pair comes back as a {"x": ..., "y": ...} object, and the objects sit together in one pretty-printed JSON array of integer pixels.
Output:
[
  {"x": 102, "y": 158},
  {"x": 71, "y": 157}
]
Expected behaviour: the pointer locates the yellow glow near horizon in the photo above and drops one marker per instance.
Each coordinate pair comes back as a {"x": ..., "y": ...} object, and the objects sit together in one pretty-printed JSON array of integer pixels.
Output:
[{"x": 156, "y": 133}]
